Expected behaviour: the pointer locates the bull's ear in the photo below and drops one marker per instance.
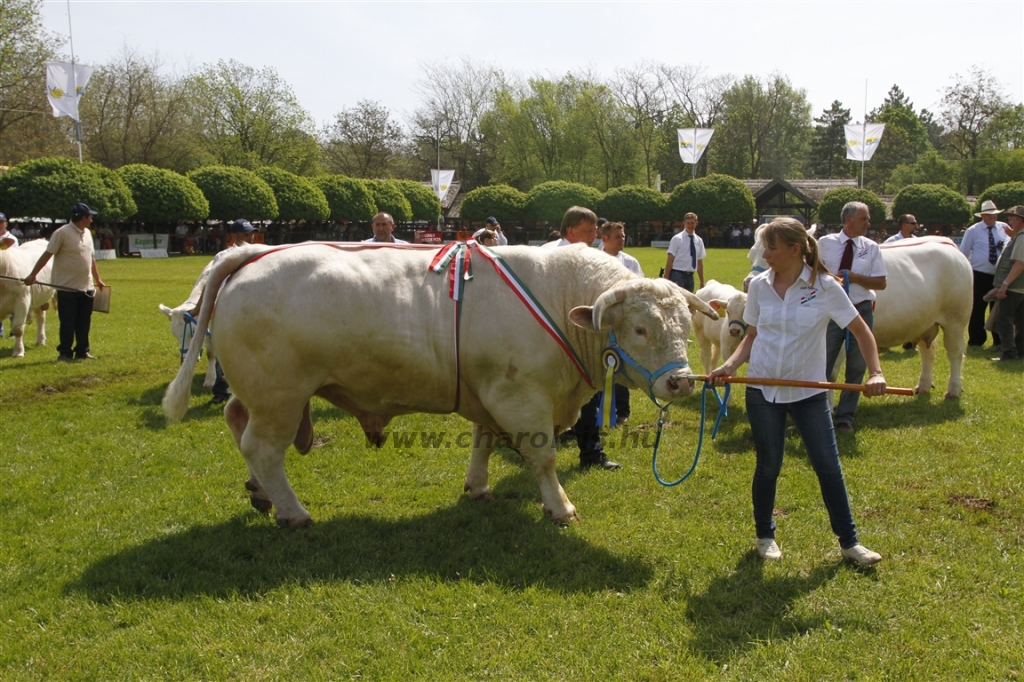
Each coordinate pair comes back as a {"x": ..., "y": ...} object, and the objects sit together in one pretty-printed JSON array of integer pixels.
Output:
[
  {"x": 583, "y": 317},
  {"x": 717, "y": 304},
  {"x": 165, "y": 310}
]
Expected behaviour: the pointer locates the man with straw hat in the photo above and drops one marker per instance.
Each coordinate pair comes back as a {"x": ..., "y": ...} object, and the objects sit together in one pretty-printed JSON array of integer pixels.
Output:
[{"x": 982, "y": 244}]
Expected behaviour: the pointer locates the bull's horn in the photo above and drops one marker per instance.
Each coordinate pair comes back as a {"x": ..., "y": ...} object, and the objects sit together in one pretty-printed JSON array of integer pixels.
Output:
[
  {"x": 697, "y": 304},
  {"x": 604, "y": 302}
]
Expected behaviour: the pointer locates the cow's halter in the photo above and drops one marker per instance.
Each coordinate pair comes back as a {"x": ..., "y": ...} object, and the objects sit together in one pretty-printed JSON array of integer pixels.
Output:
[
  {"x": 651, "y": 377},
  {"x": 188, "y": 331}
]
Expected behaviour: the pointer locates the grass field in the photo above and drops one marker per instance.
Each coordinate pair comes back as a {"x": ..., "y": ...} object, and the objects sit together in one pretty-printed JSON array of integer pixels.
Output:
[{"x": 128, "y": 549}]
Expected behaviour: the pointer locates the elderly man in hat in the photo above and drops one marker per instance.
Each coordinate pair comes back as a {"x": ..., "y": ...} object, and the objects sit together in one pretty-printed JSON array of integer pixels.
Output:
[
  {"x": 982, "y": 244},
  {"x": 1009, "y": 283},
  {"x": 76, "y": 276}
]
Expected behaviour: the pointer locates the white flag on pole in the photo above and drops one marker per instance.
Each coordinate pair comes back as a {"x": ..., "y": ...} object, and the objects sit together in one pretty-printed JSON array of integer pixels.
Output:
[
  {"x": 64, "y": 87},
  {"x": 441, "y": 180},
  {"x": 693, "y": 142},
  {"x": 862, "y": 140}
]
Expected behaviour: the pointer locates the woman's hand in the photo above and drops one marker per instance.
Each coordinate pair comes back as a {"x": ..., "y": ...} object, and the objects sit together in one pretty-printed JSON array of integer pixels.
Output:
[
  {"x": 875, "y": 385},
  {"x": 717, "y": 376}
]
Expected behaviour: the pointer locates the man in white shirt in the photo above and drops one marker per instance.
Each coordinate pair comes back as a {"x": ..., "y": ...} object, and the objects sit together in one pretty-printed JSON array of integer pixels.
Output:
[
  {"x": 855, "y": 259},
  {"x": 383, "y": 225},
  {"x": 686, "y": 255},
  {"x": 982, "y": 243},
  {"x": 906, "y": 225},
  {"x": 7, "y": 239}
]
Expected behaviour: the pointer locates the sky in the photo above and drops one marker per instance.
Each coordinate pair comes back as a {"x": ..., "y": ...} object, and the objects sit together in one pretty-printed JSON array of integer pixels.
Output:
[{"x": 334, "y": 54}]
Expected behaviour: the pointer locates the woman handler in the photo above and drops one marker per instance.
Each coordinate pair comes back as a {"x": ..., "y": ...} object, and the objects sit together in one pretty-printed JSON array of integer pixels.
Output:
[{"x": 788, "y": 308}]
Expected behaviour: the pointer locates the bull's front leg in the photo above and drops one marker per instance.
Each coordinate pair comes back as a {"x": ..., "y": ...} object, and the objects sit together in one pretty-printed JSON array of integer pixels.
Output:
[
  {"x": 476, "y": 476},
  {"x": 542, "y": 462},
  {"x": 18, "y": 329}
]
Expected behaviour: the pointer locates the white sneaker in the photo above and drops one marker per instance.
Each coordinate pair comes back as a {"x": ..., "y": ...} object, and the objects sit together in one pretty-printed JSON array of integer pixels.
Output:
[
  {"x": 767, "y": 549},
  {"x": 861, "y": 555}
]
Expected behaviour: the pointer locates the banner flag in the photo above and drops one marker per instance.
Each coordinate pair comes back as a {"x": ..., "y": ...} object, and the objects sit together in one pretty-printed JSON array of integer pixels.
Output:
[
  {"x": 693, "y": 142},
  {"x": 862, "y": 140},
  {"x": 441, "y": 180},
  {"x": 64, "y": 89}
]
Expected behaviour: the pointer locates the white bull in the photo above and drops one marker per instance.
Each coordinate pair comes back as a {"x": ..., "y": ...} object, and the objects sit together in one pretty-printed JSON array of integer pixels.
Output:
[
  {"x": 718, "y": 339},
  {"x": 19, "y": 300},
  {"x": 183, "y": 330},
  {"x": 370, "y": 329},
  {"x": 928, "y": 287}
]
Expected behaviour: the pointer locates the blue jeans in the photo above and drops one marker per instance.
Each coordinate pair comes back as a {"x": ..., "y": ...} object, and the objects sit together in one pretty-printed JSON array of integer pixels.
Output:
[
  {"x": 856, "y": 365},
  {"x": 682, "y": 278},
  {"x": 811, "y": 415}
]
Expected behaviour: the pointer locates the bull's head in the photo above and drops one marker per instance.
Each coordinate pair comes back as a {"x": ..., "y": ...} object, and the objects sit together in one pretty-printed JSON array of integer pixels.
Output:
[
  {"x": 179, "y": 329},
  {"x": 650, "y": 322}
]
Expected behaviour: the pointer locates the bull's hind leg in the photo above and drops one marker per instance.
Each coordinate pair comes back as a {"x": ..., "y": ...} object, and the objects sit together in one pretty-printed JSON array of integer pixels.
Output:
[
  {"x": 928, "y": 346},
  {"x": 40, "y": 315},
  {"x": 263, "y": 445},
  {"x": 476, "y": 476},
  {"x": 953, "y": 340},
  {"x": 237, "y": 418}
]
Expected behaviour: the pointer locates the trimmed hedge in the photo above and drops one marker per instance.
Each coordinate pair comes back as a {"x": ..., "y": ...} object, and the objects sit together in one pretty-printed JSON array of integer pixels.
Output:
[
  {"x": 549, "y": 201},
  {"x": 1006, "y": 195},
  {"x": 831, "y": 206},
  {"x": 235, "y": 193},
  {"x": 49, "y": 187},
  {"x": 297, "y": 197},
  {"x": 501, "y": 201},
  {"x": 716, "y": 199},
  {"x": 390, "y": 199},
  {"x": 349, "y": 198},
  {"x": 163, "y": 196},
  {"x": 932, "y": 205},
  {"x": 425, "y": 204},
  {"x": 632, "y": 204}
]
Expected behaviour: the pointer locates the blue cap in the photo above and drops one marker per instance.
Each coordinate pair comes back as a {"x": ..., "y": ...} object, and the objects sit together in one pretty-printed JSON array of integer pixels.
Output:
[
  {"x": 601, "y": 221},
  {"x": 82, "y": 210},
  {"x": 491, "y": 220},
  {"x": 3, "y": 218},
  {"x": 242, "y": 225}
]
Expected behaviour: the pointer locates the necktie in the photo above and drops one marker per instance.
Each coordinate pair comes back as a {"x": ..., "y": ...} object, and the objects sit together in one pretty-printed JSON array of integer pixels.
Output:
[
  {"x": 847, "y": 260},
  {"x": 993, "y": 251},
  {"x": 693, "y": 250}
]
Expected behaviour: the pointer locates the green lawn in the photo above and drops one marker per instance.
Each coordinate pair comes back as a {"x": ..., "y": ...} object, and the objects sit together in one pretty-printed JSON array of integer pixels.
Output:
[{"x": 128, "y": 549}]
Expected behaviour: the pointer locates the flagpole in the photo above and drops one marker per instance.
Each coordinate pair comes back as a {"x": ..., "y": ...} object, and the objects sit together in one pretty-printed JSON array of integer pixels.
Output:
[{"x": 74, "y": 86}]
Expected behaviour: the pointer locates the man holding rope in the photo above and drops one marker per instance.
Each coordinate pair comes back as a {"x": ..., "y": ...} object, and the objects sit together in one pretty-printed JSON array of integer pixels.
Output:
[
  {"x": 788, "y": 308},
  {"x": 75, "y": 276}
]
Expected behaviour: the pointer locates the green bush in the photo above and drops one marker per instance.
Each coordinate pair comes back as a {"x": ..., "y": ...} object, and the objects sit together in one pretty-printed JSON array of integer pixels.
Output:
[
  {"x": 933, "y": 205},
  {"x": 831, "y": 206},
  {"x": 349, "y": 198},
  {"x": 632, "y": 204},
  {"x": 425, "y": 204},
  {"x": 1005, "y": 194},
  {"x": 501, "y": 201},
  {"x": 389, "y": 199},
  {"x": 716, "y": 199},
  {"x": 163, "y": 196},
  {"x": 49, "y": 187},
  {"x": 297, "y": 197},
  {"x": 549, "y": 201},
  {"x": 235, "y": 193}
]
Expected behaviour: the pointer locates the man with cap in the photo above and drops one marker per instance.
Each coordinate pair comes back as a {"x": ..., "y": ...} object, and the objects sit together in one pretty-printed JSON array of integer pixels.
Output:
[
  {"x": 7, "y": 240},
  {"x": 494, "y": 226},
  {"x": 75, "y": 272},
  {"x": 244, "y": 233},
  {"x": 982, "y": 244},
  {"x": 686, "y": 255},
  {"x": 906, "y": 225},
  {"x": 383, "y": 225},
  {"x": 1009, "y": 282}
]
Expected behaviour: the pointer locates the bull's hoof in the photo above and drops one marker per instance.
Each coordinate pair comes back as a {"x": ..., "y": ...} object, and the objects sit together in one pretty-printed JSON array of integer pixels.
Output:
[
  {"x": 921, "y": 390},
  {"x": 484, "y": 494},
  {"x": 295, "y": 523},
  {"x": 567, "y": 518},
  {"x": 952, "y": 396},
  {"x": 260, "y": 504}
]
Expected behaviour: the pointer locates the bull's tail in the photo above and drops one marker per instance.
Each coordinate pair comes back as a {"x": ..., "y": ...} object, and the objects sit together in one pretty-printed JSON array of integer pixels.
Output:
[{"x": 175, "y": 402}]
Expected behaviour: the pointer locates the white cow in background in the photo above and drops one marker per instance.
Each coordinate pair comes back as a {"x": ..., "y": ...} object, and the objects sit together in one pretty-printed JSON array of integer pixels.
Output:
[
  {"x": 17, "y": 299},
  {"x": 370, "y": 329},
  {"x": 928, "y": 286},
  {"x": 718, "y": 339},
  {"x": 183, "y": 331}
]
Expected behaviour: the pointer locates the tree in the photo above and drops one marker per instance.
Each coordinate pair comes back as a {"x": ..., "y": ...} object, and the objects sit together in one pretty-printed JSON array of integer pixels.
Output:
[
  {"x": 49, "y": 187},
  {"x": 904, "y": 140},
  {"x": 363, "y": 141},
  {"x": 827, "y": 155},
  {"x": 831, "y": 205},
  {"x": 389, "y": 199},
  {"x": 349, "y": 198},
  {"x": 929, "y": 168},
  {"x": 716, "y": 199},
  {"x": 425, "y": 204},
  {"x": 235, "y": 193},
  {"x": 163, "y": 196},
  {"x": 251, "y": 118},
  {"x": 504, "y": 202},
  {"x": 935, "y": 205},
  {"x": 549, "y": 201},
  {"x": 640, "y": 91},
  {"x": 1005, "y": 195},
  {"x": 968, "y": 106},
  {"x": 631, "y": 204},
  {"x": 695, "y": 100},
  {"x": 765, "y": 130},
  {"x": 297, "y": 198}
]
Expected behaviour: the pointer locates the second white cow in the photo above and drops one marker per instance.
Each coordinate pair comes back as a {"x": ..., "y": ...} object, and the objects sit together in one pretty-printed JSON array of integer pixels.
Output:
[
  {"x": 718, "y": 339},
  {"x": 19, "y": 300},
  {"x": 182, "y": 329}
]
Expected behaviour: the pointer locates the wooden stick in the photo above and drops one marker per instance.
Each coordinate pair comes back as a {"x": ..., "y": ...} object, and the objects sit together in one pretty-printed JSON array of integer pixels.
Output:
[
  {"x": 45, "y": 284},
  {"x": 802, "y": 384}
]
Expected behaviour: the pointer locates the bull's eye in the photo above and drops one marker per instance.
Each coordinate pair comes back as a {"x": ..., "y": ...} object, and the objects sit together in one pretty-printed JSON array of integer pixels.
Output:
[{"x": 640, "y": 331}]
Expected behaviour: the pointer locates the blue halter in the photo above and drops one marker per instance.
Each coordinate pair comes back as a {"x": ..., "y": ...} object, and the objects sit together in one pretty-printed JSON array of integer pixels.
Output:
[
  {"x": 189, "y": 330},
  {"x": 651, "y": 377}
]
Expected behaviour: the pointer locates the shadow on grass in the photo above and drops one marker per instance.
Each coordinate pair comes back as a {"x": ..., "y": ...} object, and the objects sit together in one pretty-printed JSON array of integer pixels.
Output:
[
  {"x": 744, "y": 608},
  {"x": 497, "y": 542}
]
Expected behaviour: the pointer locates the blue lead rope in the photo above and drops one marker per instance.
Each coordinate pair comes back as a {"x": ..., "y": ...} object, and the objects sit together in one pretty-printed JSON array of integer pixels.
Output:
[{"x": 723, "y": 411}]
